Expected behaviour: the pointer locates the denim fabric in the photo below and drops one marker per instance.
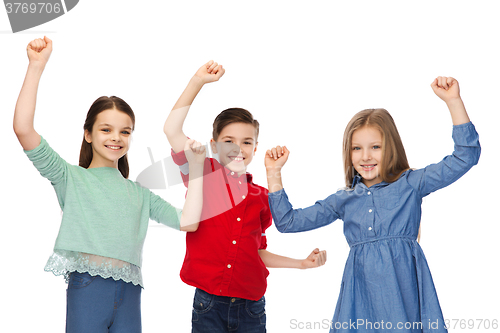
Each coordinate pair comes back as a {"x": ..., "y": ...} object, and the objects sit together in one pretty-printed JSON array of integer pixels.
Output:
[
  {"x": 99, "y": 305},
  {"x": 213, "y": 313},
  {"x": 386, "y": 277}
]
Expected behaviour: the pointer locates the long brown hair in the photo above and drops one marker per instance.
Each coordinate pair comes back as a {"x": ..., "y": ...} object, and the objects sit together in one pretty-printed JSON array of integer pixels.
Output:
[
  {"x": 101, "y": 104},
  {"x": 394, "y": 161}
]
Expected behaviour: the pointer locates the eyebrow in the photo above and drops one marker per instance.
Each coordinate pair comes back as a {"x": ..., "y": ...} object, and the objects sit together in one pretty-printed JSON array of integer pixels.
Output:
[
  {"x": 232, "y": 137},
  {"x": 371, "y": 143},
  {"x": 108, "y": 125}
]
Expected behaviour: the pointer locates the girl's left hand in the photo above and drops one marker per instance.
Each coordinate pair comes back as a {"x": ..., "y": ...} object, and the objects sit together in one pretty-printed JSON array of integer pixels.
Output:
[
  {"x": 315, "y": 259},
  {"x": 446, "y": 88},
  {"x": 195, "y": 152}
]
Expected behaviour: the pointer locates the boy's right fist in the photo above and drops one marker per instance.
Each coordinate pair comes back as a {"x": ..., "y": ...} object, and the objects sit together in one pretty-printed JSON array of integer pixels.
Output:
[
  {"x": 210, "y": 72},
  {"x": 39, "y": 50}
]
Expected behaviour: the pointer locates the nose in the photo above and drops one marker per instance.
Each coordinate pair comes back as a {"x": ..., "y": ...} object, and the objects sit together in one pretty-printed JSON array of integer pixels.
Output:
[
  {"x": 235, "y": 148},
  {"x": 367, "y": 154},
  {"x": 115, "y": 136}
]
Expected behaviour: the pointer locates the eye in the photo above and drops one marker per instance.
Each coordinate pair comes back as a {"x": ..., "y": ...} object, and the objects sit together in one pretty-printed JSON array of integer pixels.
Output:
[
  {"x": 105, "y": 130},
  {"x": 376, "y": 147},
  {"x": 247, "y": 143},
  {"x": 126, "y": 132},
  {"x": 356, "y": 148}
]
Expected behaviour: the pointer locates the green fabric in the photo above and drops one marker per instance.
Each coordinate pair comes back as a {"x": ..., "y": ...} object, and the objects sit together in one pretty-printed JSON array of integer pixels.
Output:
[{"x": 103, "y": 213}]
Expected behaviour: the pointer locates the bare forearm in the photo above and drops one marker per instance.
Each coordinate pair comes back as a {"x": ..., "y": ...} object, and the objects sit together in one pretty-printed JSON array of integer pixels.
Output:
[
  {"x": 274, "y": 182},
  {"x": 191, "y": 212},
  {"x": 175, "y": 120},
  {"x": 25, "y": 108},
  {"x": 457, "y": 110},
  {"x": 272, "y": 260}
]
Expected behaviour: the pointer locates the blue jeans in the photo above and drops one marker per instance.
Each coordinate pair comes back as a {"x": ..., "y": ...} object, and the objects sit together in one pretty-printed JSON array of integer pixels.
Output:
[
  {"x": 213, "y": 313},
  {"x": 100, "y": 305}
]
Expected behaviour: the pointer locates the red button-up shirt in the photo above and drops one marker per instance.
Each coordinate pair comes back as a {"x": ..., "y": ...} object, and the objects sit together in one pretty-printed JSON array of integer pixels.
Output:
[{"x": 222, "y": 256}]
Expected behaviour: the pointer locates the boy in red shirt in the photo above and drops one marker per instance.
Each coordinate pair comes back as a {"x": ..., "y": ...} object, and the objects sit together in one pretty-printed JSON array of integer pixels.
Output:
[{"x": 226, "y": 258}]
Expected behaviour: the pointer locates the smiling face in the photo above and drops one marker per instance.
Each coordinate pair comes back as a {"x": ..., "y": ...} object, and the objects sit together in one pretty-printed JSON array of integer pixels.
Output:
[
  {"x": 236, "y": 146},
  {"x": 110, "y": 138},
  {"x": 366, "y": 154}
]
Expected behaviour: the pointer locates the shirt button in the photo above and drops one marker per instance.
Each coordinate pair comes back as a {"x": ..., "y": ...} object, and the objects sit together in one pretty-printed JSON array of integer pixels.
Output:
[
  {"x": 238, "y": 219},
  {"x": 233, "y": 300},
  {"x": 369, "y": 193},
  {"x": 232, "y": 173},
  {"x": 369, "y": 228},
  {"x": 228, "y": 265},
  {"x": 234, "y": 242},
  {"x": 370, "y": 211},
  {"x": 239, "y": 182},
  {"x": 243, "y": 196}
]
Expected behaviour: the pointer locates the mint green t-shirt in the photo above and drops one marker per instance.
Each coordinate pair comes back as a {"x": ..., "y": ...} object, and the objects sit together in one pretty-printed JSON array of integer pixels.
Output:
[{"x": 104, "y": 214}]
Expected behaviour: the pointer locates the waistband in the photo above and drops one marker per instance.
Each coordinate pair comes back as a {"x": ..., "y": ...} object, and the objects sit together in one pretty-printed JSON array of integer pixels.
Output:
[
  {"x": 224, "y": 299},
  {"x": 382, "y": 238}
]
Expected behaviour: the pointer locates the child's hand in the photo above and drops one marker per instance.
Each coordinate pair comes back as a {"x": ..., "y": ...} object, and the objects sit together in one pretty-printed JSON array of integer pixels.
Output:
[
  {"x": 316, "y": 258},
  {"x": 195, "y": 152},
  {"x": 276, "y": 157},
  {"x": 210, "y": 72},
  {"x": 39, "y": 51},
  {"x": 446, "y": 88}
]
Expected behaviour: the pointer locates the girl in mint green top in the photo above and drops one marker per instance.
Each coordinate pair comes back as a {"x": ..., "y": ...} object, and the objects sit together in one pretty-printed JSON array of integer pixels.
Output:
[{"x": 105, "y": 215}]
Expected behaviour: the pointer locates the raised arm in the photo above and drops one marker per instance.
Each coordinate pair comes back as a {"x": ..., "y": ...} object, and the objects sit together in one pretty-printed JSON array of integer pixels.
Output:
[
  {"x": 210, "y": 72},
  {"x": 190, "y": 218},
  {"x": 467, "y": 148},
  {"x": 448, "y": 90},
  {"x": 39, "y": 51},
  {"x": 315, "y": 259},
  {"x": 274, "y": 161}
]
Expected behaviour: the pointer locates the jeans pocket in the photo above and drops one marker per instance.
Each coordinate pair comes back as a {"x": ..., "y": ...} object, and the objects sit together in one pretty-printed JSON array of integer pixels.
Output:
[
  {"x": 202, "y": 302},
  {"x": 79, "y": 280},
  {"x": 256, "y": 309}
]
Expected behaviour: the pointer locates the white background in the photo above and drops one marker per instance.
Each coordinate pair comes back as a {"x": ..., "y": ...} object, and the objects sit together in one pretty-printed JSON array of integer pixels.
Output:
[{"x": 303, "y": 68}]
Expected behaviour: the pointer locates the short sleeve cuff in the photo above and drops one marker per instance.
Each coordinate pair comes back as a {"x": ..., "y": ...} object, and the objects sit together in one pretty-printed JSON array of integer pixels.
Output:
[{"x": 33, "y": 152}]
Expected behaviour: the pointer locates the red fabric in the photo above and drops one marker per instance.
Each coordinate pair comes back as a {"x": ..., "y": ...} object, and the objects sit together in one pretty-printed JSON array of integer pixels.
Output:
[{"x": 222, "y": 240}]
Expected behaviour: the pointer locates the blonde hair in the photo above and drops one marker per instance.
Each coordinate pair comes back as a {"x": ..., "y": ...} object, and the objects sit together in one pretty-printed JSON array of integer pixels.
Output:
[{"x": 394, "y": 161}]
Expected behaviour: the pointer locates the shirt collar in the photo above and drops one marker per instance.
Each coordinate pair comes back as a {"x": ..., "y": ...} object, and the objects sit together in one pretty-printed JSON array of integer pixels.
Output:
[{"x": 357, "y": 179}]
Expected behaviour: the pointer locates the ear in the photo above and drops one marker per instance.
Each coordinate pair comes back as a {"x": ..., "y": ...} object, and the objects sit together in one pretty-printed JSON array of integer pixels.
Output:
[
  {"x": 88, "y": 136},
  {"x": 213, "y": 144},
  {"x": 255, "y": 149}
]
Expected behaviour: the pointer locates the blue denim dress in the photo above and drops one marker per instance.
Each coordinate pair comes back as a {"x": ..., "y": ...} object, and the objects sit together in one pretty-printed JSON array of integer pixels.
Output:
[{"x": 387, "y": 285}]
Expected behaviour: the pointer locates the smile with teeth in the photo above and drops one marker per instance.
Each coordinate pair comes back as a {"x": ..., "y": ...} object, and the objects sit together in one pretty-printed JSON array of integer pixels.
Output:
[
  {"x": 368, "y": 167},
  {"x": 113, "y": 147},
  {"x": 236, "y": 158}
]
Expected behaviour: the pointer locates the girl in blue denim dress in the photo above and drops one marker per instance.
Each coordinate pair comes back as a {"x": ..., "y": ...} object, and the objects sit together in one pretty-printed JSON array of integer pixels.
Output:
[{"x": 387, "y": 284}]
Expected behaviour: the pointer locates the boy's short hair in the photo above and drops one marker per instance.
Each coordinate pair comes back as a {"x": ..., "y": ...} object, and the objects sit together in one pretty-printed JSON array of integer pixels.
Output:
[{"x": 234, "y": 115}]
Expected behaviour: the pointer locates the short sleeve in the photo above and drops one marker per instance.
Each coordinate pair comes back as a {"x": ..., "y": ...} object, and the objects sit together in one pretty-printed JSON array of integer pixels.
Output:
[
  {"x": 51, "y": 166},
  {"x": 163, "y": 212},
  {"x": 465, "y": 156}
]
